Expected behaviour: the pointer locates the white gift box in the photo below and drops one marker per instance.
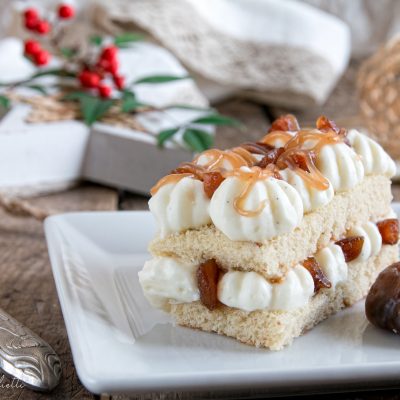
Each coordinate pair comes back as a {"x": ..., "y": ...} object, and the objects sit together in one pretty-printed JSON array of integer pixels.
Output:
[
  {"x": 128, "y": 159},
  {"x": 36, "y": 158},
  {"x": 44, "y": 157}
]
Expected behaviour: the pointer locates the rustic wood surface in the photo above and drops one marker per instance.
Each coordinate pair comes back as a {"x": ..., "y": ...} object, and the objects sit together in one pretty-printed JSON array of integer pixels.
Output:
[{"x": 28, "y": 292}]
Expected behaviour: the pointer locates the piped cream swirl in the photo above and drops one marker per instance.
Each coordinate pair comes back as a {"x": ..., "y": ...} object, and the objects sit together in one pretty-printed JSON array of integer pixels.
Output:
[
  {"x": 341, "y": 166},
  {"x": 311, "y": 197},
  {"x": 180, "y": 205},
  {"x": 281, "y": 210},
  {"x": 249, "y": 291},
  {"x": 373, "y": 157},
  {"x": 332, "y": 262}
]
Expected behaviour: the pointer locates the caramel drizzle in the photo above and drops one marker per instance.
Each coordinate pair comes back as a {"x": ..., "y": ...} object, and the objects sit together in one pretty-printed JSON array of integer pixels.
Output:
[
  {"x": 271, "y": 137},
  {"x": 237, "y": 157},
  {"x": 241, "y": 157},
  {"x": 250, "y": 177},
  {"x": 171, "y": 178},
  {"x": 294, "y": 147}
]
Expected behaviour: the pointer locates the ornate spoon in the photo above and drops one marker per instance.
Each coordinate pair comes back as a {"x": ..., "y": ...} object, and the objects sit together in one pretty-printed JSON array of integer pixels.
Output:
[{"x": 27, "y": 357}]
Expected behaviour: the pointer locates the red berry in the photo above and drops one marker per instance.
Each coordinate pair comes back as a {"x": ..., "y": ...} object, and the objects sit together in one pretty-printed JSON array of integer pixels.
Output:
[
  {"x": 65, "y": 11},
  {"x": 119, "y": 81},
  {"x": 112, "y": 67},
  {"x": 32, "y": 47},
  {"x": 104, "y": 91},
  {"x": 89, "y": 79},
  {"x": 31, "y": 13},
  {"x": 31, "y": 23},
  {"x": 42, "y": 57},
  {"x": 109, "y": 53},
  {"x": 102, "y": 64},
  {"x": 43, "y": 27},
  {"x": 83, "y": 78}
]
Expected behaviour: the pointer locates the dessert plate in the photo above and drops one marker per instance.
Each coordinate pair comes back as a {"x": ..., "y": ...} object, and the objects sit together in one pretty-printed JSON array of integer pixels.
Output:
[{"x": 121, "y": 345}]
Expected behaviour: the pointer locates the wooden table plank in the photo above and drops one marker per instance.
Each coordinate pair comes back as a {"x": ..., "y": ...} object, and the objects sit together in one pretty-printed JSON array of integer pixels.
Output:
[{"x": 27, "y": 288}]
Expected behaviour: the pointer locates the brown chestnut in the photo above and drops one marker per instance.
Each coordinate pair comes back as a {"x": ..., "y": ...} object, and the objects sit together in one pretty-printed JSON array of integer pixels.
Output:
[{"x": 382, "y": 305}]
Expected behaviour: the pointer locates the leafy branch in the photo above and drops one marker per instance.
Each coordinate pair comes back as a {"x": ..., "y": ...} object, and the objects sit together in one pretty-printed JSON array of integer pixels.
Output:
[
  {"x": 95, "y": 84},
  {"x": 195, "y": 138}
]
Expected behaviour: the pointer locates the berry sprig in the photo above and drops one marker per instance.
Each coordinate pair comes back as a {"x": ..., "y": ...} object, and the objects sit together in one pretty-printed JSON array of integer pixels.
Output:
[
  {"x": 93, "y": 80},
  {"x": 34, "y": 23},
  {"x": 99, "y": 76},
  {"x": 105, "y": 69}
]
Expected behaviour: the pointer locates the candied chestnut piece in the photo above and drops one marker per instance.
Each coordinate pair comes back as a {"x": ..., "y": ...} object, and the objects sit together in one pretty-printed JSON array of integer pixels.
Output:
[
  {"x": 389, "y": 230},
  {"x": 302, "y": 159},
  {"x": 286, "y": 122},
  {"x": 211, "y": 182},
  {"x": 325, "y": 124},
  {"x": 382, "y": 305},
  {"x": 271, "y": 157},
  {"x": 207, "y": 280},
  {"x": 319, "y": 278},
  {"x": 351, "y": 247}
]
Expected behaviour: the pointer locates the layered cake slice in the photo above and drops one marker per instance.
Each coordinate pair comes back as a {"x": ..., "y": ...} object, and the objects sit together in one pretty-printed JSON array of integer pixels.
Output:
[{"x": 263, "y": 241}]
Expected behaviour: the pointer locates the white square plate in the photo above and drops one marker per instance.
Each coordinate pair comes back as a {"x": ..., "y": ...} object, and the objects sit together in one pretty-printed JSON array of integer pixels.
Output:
[{"x": 119, "y": 344}]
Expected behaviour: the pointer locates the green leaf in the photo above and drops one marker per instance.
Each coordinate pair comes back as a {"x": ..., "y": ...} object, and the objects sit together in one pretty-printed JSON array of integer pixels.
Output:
[
  {"x": 78, "y": 95},
  {"x": 126, "y": 38},
  {"x": 217, "y": 119},
  {"x": 4, "y": 102},
  {"x": 67, "y": 52},
  {"x": 94, "y": 108},
  {"x": 160, "y": 79},
  {"x": 198, "y": 140},
  {"x": 187, "y": 107},
  {"x": 96, "y": 40},
  {"x": 129, "y": 102},
  {"x": 55, "y": 72},
  {"x": 166, "y": 134},
  {"x": 38, "y": 88}
]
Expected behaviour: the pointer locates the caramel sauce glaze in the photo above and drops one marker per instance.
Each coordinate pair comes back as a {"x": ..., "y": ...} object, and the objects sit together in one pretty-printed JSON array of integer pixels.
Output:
[{"x": 301, "y": 147}]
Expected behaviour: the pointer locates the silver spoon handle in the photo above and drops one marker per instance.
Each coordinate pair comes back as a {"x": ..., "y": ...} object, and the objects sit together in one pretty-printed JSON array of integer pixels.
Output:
[{"x": 27, "y": 357}]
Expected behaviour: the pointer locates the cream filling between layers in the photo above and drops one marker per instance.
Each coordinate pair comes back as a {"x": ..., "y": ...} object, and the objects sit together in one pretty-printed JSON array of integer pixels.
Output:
[{"x": 168, "y": 281}]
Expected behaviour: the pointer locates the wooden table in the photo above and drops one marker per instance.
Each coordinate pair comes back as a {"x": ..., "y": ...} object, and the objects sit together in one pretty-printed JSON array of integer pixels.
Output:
[{"x": 27, "y": 287}]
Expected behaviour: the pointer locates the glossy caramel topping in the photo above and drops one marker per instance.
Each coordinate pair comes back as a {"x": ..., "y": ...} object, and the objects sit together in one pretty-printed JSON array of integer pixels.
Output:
[
  {"x": 305, "y": 168},
  {"x": 250, "y": 177},
  {"x": 257, "y": 148},
  {"x": 272, "y": 137},
  {"x": 172, "y": 178},
  {"x": 294, "y": 150},
  {"x": 237, "y": 157},
  {"x": 299, "y": 152}
]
